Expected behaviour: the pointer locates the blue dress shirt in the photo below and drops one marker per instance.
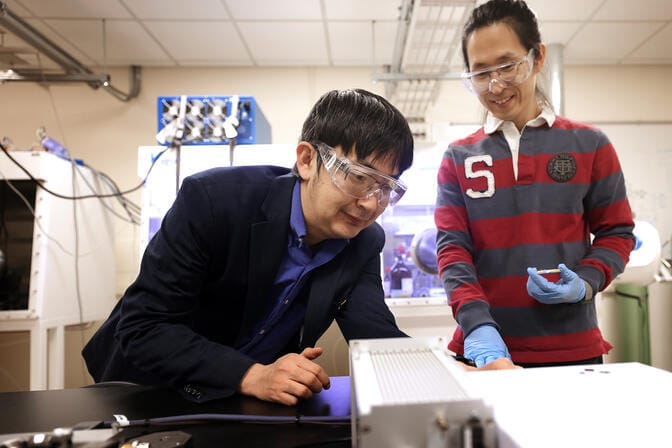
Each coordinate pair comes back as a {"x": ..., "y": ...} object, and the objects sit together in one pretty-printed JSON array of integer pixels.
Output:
[{"x": 272, "y": 335}]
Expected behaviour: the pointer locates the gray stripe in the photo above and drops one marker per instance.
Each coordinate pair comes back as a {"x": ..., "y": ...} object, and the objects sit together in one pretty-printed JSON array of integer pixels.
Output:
[
  {"x": 608, "y": 190},
  {"x": 449, "y": 194},
  {"x": 533, "y": 141},
  {"x": 514, "y": 260},
  {"x": 556, "y": 141},
  {"x": 474, "y": 314},
  {"x": 454, "y": 237},
  {"x": 608, "y": 257},
  {"x": 457, "y": 274},
  {"x": 495, "y": 146},
  {"x": 564, "y": 198},
  {"x": 549, "y": 197},
  {"x": 546, "y": 320}
]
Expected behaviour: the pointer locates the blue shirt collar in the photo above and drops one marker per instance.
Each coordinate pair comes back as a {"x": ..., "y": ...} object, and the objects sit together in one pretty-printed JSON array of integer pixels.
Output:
[{"x": 297, "y": 222}]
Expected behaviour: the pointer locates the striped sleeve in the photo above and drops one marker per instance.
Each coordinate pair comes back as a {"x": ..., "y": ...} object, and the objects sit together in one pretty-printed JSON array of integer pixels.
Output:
[
  {"x": 609, "y": 217},
  {"x": 454, "y": 251}
]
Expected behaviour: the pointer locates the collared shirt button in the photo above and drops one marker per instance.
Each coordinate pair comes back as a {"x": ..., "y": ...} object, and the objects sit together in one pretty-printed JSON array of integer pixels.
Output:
[
  {"x": 285, "y": 302},
  {"x": 262, "y": 331}
]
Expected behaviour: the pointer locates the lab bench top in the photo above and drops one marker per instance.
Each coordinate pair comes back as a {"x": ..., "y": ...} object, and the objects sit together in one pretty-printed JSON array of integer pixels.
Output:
[{"x": 43, "y": 411}]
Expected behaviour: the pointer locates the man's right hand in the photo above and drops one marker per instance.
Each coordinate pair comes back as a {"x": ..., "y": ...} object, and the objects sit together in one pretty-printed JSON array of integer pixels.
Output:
[
  {"x": 291, "y": 377},
  {"x": 484, "y": 345}
]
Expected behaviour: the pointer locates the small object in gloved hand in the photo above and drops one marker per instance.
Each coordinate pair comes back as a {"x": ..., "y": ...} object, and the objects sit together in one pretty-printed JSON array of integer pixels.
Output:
[{"x": 569, "y": 289}]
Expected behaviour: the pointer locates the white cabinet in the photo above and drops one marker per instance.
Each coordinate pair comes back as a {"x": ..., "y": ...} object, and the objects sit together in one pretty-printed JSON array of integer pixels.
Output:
[{"x": 59, "y": 259}]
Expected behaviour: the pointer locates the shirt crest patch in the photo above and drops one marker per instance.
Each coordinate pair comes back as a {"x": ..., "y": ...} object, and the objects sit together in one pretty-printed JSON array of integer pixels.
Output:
[{"x": 562, "y": 167}]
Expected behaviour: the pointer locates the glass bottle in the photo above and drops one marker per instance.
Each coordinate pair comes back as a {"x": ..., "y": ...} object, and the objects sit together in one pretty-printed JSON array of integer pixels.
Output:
[
  {"x": 387, "y": 280},
  {"x": 401, "y": 283}
]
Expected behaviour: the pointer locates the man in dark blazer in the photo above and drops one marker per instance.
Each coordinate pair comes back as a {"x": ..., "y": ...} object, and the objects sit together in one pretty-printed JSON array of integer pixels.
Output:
[{"x": 252, "y": 264}]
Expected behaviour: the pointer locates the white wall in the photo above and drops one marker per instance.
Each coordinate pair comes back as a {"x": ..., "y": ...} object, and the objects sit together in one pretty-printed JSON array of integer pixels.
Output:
[{"x": 106, "y": 132}]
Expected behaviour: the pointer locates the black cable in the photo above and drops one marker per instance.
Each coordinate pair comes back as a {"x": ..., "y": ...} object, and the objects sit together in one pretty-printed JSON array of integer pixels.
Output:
[
  {"x": 53, "y": 193},
  {"x": 240, "y": 418},
  {"x": 113, "y": 185},
  {"x": 121, "y": 199}
]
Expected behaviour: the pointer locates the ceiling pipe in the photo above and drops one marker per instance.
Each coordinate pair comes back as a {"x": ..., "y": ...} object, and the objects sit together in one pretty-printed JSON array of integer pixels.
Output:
[
  {"x": 445, "y": 76},
  {"x": 403, "y": 24},
  {"x": 75, "y": 71},
  {"x": 554, "y": 70},
  {"x": 38, "y": 76},
  {"x": 134, "y": 85}
]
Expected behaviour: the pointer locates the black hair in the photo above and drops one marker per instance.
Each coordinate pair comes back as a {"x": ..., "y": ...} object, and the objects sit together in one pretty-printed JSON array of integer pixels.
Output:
[
  {"x": 514, "y": 13},
  {"x": 363, "y": 122}
]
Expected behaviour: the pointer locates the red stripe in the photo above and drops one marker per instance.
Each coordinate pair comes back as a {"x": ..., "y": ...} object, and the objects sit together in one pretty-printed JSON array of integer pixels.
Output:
[
  {"x": 447, "y": 174},
  {"x": 606, "y": 162},
  {"x": 502, "y": 170},
  {"x": 453, "y": 254},
  {"x": 451, "y": 218},
  {"x": 545, "y": 349},
  {"x": 617, "y": 213},
  {"x": 509, "y": 291},
  {"x": 471, "y": 139},
  {"x": 591, "y": 166},
  {"x": 559, "y": 348},
  {"x": 529, "y": 228},
  {"x": 465, "y": 293},
  {"x": 566, "y": 123}
]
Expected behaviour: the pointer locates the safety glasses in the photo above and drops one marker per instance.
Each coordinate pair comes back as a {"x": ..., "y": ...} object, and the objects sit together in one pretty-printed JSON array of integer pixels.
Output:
[
  {"x": 360, "y": 181},
  {"x": 507, "y": 74}
]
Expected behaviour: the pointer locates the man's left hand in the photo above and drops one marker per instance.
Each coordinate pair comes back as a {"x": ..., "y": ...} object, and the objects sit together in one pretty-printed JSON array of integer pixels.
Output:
[
  {"x": 290, "y": 378},
  {"x": 569, "y": 289}
]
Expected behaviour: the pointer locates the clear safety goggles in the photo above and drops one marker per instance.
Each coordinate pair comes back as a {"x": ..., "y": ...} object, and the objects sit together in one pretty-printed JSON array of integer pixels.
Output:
[
  {"x": 508, "y": 74},
  {"x": 360, "y": 181}
]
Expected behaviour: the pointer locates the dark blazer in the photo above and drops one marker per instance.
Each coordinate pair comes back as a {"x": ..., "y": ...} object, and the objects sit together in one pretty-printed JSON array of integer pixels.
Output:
[{"x": 204, "y": 283}]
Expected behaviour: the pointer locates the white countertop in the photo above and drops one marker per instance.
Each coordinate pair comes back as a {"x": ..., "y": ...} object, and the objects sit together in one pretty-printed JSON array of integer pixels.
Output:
[{"x": 610, "y": 405}]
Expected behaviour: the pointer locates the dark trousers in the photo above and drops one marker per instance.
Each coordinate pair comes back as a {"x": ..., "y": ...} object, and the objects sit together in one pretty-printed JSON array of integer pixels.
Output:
[{"x": 596, "y": 360}]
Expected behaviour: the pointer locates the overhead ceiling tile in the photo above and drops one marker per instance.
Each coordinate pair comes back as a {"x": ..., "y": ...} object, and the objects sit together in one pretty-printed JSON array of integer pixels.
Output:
[
  {"x": 294, "y": 32},
  {"x": 385, "y": 35},
  {"x": 51, "y": 32},
  {"x": 606, "y": 42},
  {"x": 566, "y": 10},
  {"x": 362, "y": 10},
  {"x": 128, "y": 42},
  {"x": 17, "y": 8},
  {"x": 69, "y": 9},
  {"x": 629, "y": 10},
  {"x": 558, "y": 32},
  {"x": 361, "y": 43},
  {"x": 655, "y": 50},
  {"x": 177, "y": 9},
  {"x": 274, "y": 9},
  {"x": 189, "y": 41},
  {"x": 83, "y": 34},
  {"x": 285, "y": 43}
]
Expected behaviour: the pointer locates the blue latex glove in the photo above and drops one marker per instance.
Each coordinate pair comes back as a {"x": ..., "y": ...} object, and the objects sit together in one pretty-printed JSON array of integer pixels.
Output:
[
  {"x": 484, "y": 345},
  {"x": 569, "y": 289}
]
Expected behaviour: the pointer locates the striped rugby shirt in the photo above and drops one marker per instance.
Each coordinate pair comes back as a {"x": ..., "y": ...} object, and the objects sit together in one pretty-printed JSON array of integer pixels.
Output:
[{"x": 493, "y": 223}]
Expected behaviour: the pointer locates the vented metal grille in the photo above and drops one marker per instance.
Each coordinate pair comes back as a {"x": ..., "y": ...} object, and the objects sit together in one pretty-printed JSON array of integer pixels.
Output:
[{"x": 414, "y": 376}]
